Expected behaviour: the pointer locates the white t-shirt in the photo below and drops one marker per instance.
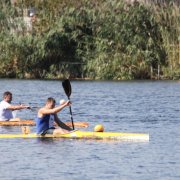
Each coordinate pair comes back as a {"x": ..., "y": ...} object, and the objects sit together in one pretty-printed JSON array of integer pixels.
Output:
[{"x": 5, "y": 114}]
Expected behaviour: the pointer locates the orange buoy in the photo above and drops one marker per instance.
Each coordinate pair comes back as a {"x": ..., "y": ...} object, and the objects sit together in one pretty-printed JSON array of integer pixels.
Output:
[{"x": 99, "y": 128}]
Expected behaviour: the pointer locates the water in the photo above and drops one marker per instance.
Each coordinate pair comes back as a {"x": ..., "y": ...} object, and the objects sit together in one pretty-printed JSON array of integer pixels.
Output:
[{"x": 139, "y": 106}]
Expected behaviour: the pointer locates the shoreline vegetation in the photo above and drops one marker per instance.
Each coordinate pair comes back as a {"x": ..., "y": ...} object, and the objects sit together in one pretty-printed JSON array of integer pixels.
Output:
[{"x": 93, "y": 40}]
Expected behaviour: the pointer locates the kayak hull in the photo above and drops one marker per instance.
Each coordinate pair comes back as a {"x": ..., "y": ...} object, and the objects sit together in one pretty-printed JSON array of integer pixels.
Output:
[
  {"x": 32, "y": 123},
  {"x": 86, "y": 135}
]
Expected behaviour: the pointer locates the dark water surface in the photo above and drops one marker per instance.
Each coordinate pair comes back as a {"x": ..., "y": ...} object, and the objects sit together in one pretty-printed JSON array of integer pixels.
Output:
[{"x": 138, "y": 106}]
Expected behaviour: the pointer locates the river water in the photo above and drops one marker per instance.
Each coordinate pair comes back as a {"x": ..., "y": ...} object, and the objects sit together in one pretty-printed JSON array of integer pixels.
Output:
[{"x": 133, "y": 106}]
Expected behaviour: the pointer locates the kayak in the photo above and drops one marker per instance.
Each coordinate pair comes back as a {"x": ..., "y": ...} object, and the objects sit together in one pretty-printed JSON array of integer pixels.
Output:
[
  {"x": 18, "y": 123},
  {"x": 32, "y": 123},
  {"x": 76, "y": 134}
]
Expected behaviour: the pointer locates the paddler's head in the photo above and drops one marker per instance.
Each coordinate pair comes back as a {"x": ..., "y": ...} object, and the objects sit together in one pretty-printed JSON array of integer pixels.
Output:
[
  {"x": 99, "y": 128},
  {"x": 7, "y": 96},
  {"x": 50, "y": 103}
]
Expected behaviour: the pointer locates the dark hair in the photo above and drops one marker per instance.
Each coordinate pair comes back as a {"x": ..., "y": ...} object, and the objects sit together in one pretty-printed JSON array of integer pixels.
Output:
[
  {"x": 7, "y": 93},
  {"x": 50, "y": 99}
]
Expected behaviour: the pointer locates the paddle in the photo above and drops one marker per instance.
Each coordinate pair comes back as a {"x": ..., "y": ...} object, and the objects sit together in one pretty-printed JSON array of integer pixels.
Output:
[
  {"x": 33, "y": 108},
  {"x": 67, "y": 89}
]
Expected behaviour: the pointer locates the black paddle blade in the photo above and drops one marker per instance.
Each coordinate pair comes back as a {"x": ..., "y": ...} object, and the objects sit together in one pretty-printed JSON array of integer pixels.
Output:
[{"x": 67, "y": 87}]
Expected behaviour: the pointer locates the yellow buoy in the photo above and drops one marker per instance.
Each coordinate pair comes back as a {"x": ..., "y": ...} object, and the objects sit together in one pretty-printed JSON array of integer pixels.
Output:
[{"x": 99, "y": 128}]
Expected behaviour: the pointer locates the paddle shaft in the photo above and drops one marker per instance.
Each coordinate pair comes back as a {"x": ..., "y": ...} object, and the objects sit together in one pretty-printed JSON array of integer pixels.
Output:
[{"x": 70, "y": 110}]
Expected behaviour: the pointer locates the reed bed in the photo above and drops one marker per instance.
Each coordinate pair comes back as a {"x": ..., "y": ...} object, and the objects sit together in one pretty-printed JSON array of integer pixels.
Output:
[{"x": 103, "y": 39}]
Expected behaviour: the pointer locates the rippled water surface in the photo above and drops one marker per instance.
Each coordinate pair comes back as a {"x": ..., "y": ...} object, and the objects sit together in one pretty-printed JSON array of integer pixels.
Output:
[{"x": 138, "y": 106}]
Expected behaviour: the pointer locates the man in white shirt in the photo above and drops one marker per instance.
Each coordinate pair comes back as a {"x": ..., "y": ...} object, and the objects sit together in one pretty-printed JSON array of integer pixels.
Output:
[{"x": 6, "y": 108}]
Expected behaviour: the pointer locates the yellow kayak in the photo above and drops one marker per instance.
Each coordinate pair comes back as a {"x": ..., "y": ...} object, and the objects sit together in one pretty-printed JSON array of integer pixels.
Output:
[{"x": 86, "y": 135}]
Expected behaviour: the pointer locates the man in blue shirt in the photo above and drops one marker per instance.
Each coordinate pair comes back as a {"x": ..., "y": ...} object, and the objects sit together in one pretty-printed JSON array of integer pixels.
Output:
[{"x": 46, "y": 117}]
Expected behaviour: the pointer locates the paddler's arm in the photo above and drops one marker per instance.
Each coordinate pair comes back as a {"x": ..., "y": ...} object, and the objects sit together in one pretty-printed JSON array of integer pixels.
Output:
[
  {"x": 17, "y": 107},
  {"x": 55, "y": 110},
  {"x": 60, "y": 123}
]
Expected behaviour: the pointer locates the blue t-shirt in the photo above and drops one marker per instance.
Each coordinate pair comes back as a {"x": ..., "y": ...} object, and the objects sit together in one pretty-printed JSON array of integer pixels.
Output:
[{"x": 44, "y": 123}]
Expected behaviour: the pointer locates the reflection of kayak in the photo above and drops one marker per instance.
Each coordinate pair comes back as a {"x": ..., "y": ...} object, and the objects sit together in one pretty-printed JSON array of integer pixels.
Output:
[
  {"x": 86, "y": 135},
  {"x": 32, "y": 123}
]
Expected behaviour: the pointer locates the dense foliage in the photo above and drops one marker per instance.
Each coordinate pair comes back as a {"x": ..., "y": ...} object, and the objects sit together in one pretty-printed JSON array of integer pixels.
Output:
[{"x": 90, "y": 39}]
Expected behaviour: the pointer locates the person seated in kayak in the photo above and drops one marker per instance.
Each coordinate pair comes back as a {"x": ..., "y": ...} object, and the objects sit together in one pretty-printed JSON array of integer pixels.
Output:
[
  {"x": 46, "y": 117},
  {"x": 6, "y": 108}
]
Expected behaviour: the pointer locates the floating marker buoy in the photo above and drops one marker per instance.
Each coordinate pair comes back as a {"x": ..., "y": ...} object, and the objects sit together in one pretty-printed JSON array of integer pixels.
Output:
[
  {"x": 62, "y": 101},
  {"x": 99, "y": 128}
]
